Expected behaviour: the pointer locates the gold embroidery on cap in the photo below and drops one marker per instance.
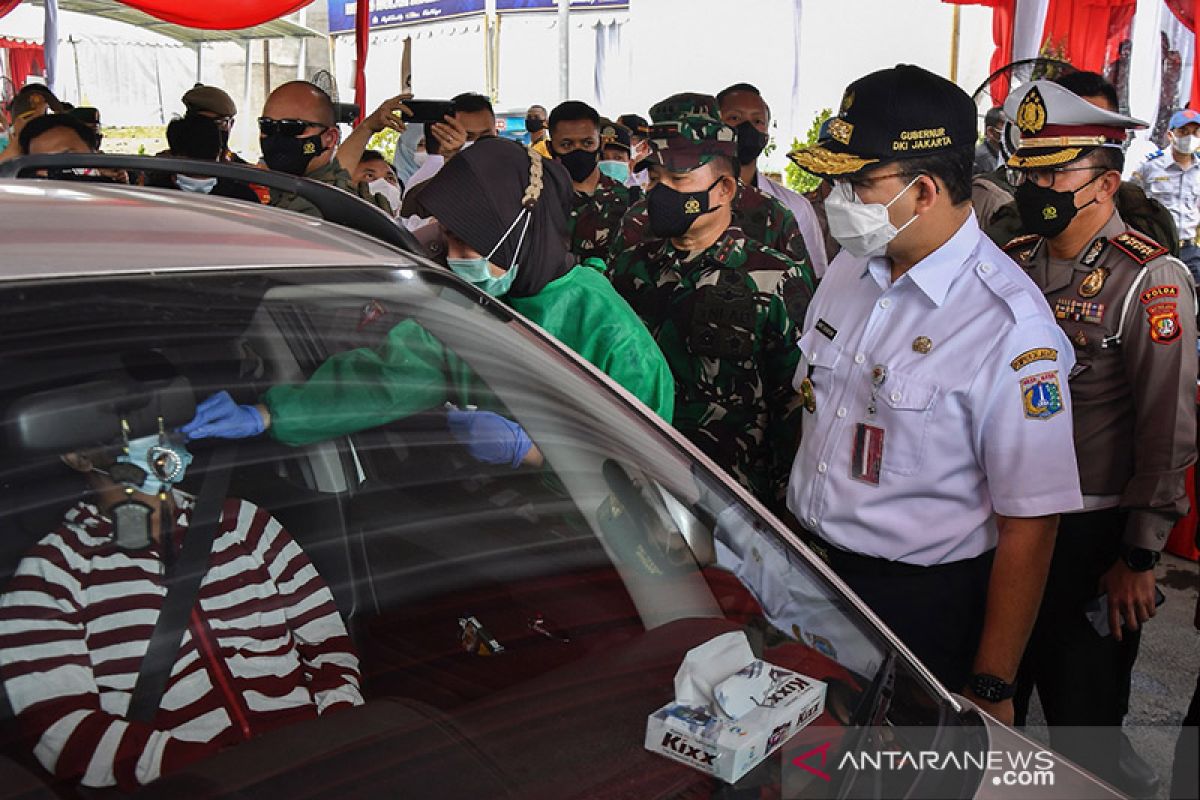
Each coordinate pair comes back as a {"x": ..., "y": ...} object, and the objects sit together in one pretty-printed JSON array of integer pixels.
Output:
[
  {"x": 847, "y": 101},
  {"x": 1031, "y": 114},
  {"x": 1045, "y": 159},
  {"x": 922, "y": 139},
  {"x": 840, "y": 129}
]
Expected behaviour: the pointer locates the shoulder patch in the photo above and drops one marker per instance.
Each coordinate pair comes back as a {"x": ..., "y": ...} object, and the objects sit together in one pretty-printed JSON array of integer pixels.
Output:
[
  {"x": 1141, "y": 249},
  {"x": 1030, "y": 356},
  {"x": 1041, "y": 395}
]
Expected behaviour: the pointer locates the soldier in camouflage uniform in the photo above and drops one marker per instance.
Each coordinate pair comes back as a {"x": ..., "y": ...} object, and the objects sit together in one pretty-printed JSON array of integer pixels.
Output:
[
  {"x": 724, "y": 309},
  {"x": 760, "y": 216},
  {"x": 599, "y": 202}
]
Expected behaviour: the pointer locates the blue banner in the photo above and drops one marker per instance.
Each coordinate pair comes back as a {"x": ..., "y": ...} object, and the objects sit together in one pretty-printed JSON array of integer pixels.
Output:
[{"x": 395, "y": 13}]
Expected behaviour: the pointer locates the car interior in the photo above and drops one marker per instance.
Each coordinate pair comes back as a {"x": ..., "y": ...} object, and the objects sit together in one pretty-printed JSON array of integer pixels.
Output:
[{"x": 515, "y": 628}]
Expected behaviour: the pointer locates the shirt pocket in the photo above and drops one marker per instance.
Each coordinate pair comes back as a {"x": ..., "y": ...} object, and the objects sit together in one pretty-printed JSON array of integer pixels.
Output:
[
  {"x": 905, "y": 407},
  {"x": 818, "y": 357}
]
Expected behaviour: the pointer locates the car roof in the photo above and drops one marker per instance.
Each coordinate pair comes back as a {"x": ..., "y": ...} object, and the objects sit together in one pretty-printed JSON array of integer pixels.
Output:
[{"x": 59, "y": 229}]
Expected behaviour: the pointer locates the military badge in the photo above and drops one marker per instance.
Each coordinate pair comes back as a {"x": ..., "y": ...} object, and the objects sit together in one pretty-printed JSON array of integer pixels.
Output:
[
  {"x": 1093, "y": 283},
  {"x": 1080, "y": 339},
  {"x": 1164, "y": 323},
  {"x": 1079, "y": 310},
  {"x": 1094, "y": 252},
  {"x": 1041, "y": 395},
  {"x": 841, "y": 130},
  {"x": 1031, "y": 114}
]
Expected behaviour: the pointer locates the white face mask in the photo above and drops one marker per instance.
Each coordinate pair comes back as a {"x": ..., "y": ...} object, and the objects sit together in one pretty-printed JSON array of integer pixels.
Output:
[
  {"x": 1185, "y": 145},
  {"x": 197, "y": 185},
  {"x": 389, "y": 190},
  {"x": 419, "y": 157},
  {"x": 864, "y": 229}
]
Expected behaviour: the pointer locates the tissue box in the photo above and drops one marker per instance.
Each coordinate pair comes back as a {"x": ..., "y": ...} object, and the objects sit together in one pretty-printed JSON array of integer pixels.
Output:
[{"x": 703, "y": 738}]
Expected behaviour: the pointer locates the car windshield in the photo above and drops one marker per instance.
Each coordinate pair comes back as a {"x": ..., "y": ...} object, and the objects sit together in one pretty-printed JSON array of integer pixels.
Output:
[{"x": 514, "y": 628}]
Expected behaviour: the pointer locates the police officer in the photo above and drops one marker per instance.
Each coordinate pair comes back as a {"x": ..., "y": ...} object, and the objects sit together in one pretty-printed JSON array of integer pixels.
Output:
[
  {"x": 599, "y": 201},
  {"x": 937, "y": 452},
  {"x": 1129, "y": 310},
  {"x": 1174, "y": 181},
  {"x": 724, "y": 309},
  {"x": 760, "y": 216}
]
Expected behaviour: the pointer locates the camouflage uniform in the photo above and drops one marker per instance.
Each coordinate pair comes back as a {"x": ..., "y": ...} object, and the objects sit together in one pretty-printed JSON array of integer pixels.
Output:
[
  {"x": 727, "y": 319},
  {"x": 335, "y": 175},
  {"x": 595, "y": 218},
  {"x": 760, "y": 216}
]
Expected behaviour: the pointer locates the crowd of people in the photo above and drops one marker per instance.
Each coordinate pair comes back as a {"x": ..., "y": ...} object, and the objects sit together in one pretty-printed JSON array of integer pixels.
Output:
[{"x": 965, "y": 372}]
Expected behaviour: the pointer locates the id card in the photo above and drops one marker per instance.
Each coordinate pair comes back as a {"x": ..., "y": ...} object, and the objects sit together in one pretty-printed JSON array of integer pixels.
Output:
[{"x": 866, "y": 457}]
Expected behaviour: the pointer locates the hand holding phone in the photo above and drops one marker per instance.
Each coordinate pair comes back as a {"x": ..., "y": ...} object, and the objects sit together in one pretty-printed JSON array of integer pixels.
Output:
[
  {"x": 1096, "y": 611},
  {"x": 428, "y": 110}
]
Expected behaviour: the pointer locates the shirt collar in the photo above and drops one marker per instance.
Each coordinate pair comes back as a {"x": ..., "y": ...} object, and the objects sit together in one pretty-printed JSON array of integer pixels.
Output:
[{"x": 934, "y": 273}]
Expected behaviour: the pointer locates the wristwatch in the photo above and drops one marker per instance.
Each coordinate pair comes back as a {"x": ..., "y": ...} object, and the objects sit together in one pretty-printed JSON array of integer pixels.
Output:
[
  {"x": 991, "y": 688},
  {"x": 1139, "y": 559}
]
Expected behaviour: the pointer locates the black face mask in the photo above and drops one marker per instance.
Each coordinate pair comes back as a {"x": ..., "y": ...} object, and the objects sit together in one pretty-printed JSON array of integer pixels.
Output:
[
  {"x": 672, "y": 212},
  {"x": 1047, "y": 212},
  {"x": 291, "y": 154},
  {"x": 579, "y": 163},
  {"x": 750, "y": 143},
  {"x": 534, "y": 124}
]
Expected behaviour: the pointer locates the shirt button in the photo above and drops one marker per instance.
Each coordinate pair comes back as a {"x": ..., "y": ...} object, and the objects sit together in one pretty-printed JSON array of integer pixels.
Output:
[
  {"x": 895, "y": 397},
  {"x": 841, "y": 412},
  {"x": 812, "y": 523},
  {"x": 885, "y": 303},
  {"x": 985, "y": 267},
  {"x": 822, "y": 468},
  {"x": 860, "y": 358}
]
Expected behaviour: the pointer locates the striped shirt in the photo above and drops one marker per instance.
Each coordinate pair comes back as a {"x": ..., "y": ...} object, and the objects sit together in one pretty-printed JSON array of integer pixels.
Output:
[{"x": 264, "y": 648}]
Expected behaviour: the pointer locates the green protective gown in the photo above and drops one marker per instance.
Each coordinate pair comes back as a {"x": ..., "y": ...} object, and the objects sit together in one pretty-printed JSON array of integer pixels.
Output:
[{"x": 412, "y": 371}]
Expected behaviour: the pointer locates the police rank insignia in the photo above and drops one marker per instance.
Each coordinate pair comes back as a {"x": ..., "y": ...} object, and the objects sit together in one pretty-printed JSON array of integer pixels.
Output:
[
  {"x": 1093, "y": 283},
  {"x": 1078, "y": 310},
  {"x": 1031, "y": 114},
  {"x": 1164, "y": 323},
  {"x": 1094, "y": 252},
  {"x": 1041, "y": 395}
]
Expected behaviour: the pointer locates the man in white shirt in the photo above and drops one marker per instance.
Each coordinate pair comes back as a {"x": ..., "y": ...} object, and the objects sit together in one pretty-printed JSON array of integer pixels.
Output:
[
  {"x": 743, "y": 108},
  {"x": 938, "y": 451}
]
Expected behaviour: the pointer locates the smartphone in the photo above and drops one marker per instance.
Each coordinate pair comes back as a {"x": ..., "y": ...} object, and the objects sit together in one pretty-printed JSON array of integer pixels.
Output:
[
  {"x": 428, "y": 110},
  {"x": 1097, "y": 611}
]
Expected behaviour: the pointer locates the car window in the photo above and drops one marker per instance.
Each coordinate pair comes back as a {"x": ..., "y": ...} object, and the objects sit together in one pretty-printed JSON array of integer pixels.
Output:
[{"x": 514, "y": 628}]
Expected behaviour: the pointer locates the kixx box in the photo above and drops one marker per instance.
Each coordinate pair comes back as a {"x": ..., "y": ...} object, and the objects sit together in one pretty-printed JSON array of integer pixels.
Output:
[{"x": 701, "y": 737}]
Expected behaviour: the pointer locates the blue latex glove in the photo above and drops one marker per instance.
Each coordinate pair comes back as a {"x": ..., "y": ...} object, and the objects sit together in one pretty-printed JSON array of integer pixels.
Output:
[
  {"x": 221, "y": 418},
  {"x": 489, "y": 437}
]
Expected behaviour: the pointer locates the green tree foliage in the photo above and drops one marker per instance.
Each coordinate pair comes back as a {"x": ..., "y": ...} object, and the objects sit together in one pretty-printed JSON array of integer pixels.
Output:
[{"x": 799, "y": 180}]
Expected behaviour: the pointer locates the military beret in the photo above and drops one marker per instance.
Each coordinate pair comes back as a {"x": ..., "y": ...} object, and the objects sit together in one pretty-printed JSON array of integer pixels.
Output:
[{"x": 687, "y": 104}]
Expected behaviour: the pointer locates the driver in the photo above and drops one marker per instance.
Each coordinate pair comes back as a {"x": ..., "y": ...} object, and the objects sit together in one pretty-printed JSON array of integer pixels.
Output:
[{"x": 264, "y": 647}]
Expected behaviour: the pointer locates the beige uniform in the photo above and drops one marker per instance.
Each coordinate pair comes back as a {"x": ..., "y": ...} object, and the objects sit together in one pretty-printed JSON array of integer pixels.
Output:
[{"x": 1130, "y": 311}]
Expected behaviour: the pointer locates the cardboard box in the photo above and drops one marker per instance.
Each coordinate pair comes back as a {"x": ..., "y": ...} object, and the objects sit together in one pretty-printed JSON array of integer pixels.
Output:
[{"x": 705, "y": 739}]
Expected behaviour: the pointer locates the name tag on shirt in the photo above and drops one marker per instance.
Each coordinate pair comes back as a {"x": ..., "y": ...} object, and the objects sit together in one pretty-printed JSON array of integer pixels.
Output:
[{"x": 866, "y": 459}]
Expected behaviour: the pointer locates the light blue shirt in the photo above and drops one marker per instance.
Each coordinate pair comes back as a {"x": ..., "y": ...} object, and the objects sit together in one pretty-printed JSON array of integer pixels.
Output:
[
  {"x": 974, "y": 405},
  {"x": 1161, "y": 177}
]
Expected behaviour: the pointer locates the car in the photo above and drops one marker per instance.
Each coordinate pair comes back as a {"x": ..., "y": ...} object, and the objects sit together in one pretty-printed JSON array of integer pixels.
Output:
[{"x": 516, "y": 628}]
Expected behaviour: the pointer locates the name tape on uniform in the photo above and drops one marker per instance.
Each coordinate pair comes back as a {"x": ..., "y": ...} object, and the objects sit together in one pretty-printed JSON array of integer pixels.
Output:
[{"x": 1030, "y": 356}]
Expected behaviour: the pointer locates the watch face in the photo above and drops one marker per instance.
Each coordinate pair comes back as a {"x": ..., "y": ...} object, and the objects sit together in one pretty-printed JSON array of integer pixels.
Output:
[
  {"x": 990, "y": 688},
  {"x": 1140, "y": 559}
]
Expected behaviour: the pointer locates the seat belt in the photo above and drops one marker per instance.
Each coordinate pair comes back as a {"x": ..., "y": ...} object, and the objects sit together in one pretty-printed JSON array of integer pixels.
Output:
[{"x": 183, "y": 586}]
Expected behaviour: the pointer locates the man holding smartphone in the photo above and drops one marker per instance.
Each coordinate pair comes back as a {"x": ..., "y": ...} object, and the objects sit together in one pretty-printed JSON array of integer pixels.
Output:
[{"x": 1129, "y": 310}]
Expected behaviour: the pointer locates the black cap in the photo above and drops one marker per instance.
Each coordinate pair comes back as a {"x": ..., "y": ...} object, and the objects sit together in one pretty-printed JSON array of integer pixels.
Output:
[{"x": 897, "y": 113}]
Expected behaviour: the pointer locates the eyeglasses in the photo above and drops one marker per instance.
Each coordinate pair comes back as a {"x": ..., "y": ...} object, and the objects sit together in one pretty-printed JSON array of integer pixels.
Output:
[
  {"x": 286, "y": 127},
  {"x": 865, "y": 182},
  {"x": 1046, "y": 177},
  {"x": 224, "y": 123}
]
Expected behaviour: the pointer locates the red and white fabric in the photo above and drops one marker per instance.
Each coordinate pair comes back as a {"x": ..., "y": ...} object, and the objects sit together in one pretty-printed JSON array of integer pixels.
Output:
[{"x": 265, "y": 646}]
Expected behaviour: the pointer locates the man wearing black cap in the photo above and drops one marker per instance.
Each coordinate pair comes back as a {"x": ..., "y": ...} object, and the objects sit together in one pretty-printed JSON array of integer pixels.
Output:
[
  {"x": 1129, "y": 310},
  {"x": 214, "y": 103},
  {"x": 600, "y": 201},
  {"x": 724, "y": 309},
  {"x": 937, "y": 451}
]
